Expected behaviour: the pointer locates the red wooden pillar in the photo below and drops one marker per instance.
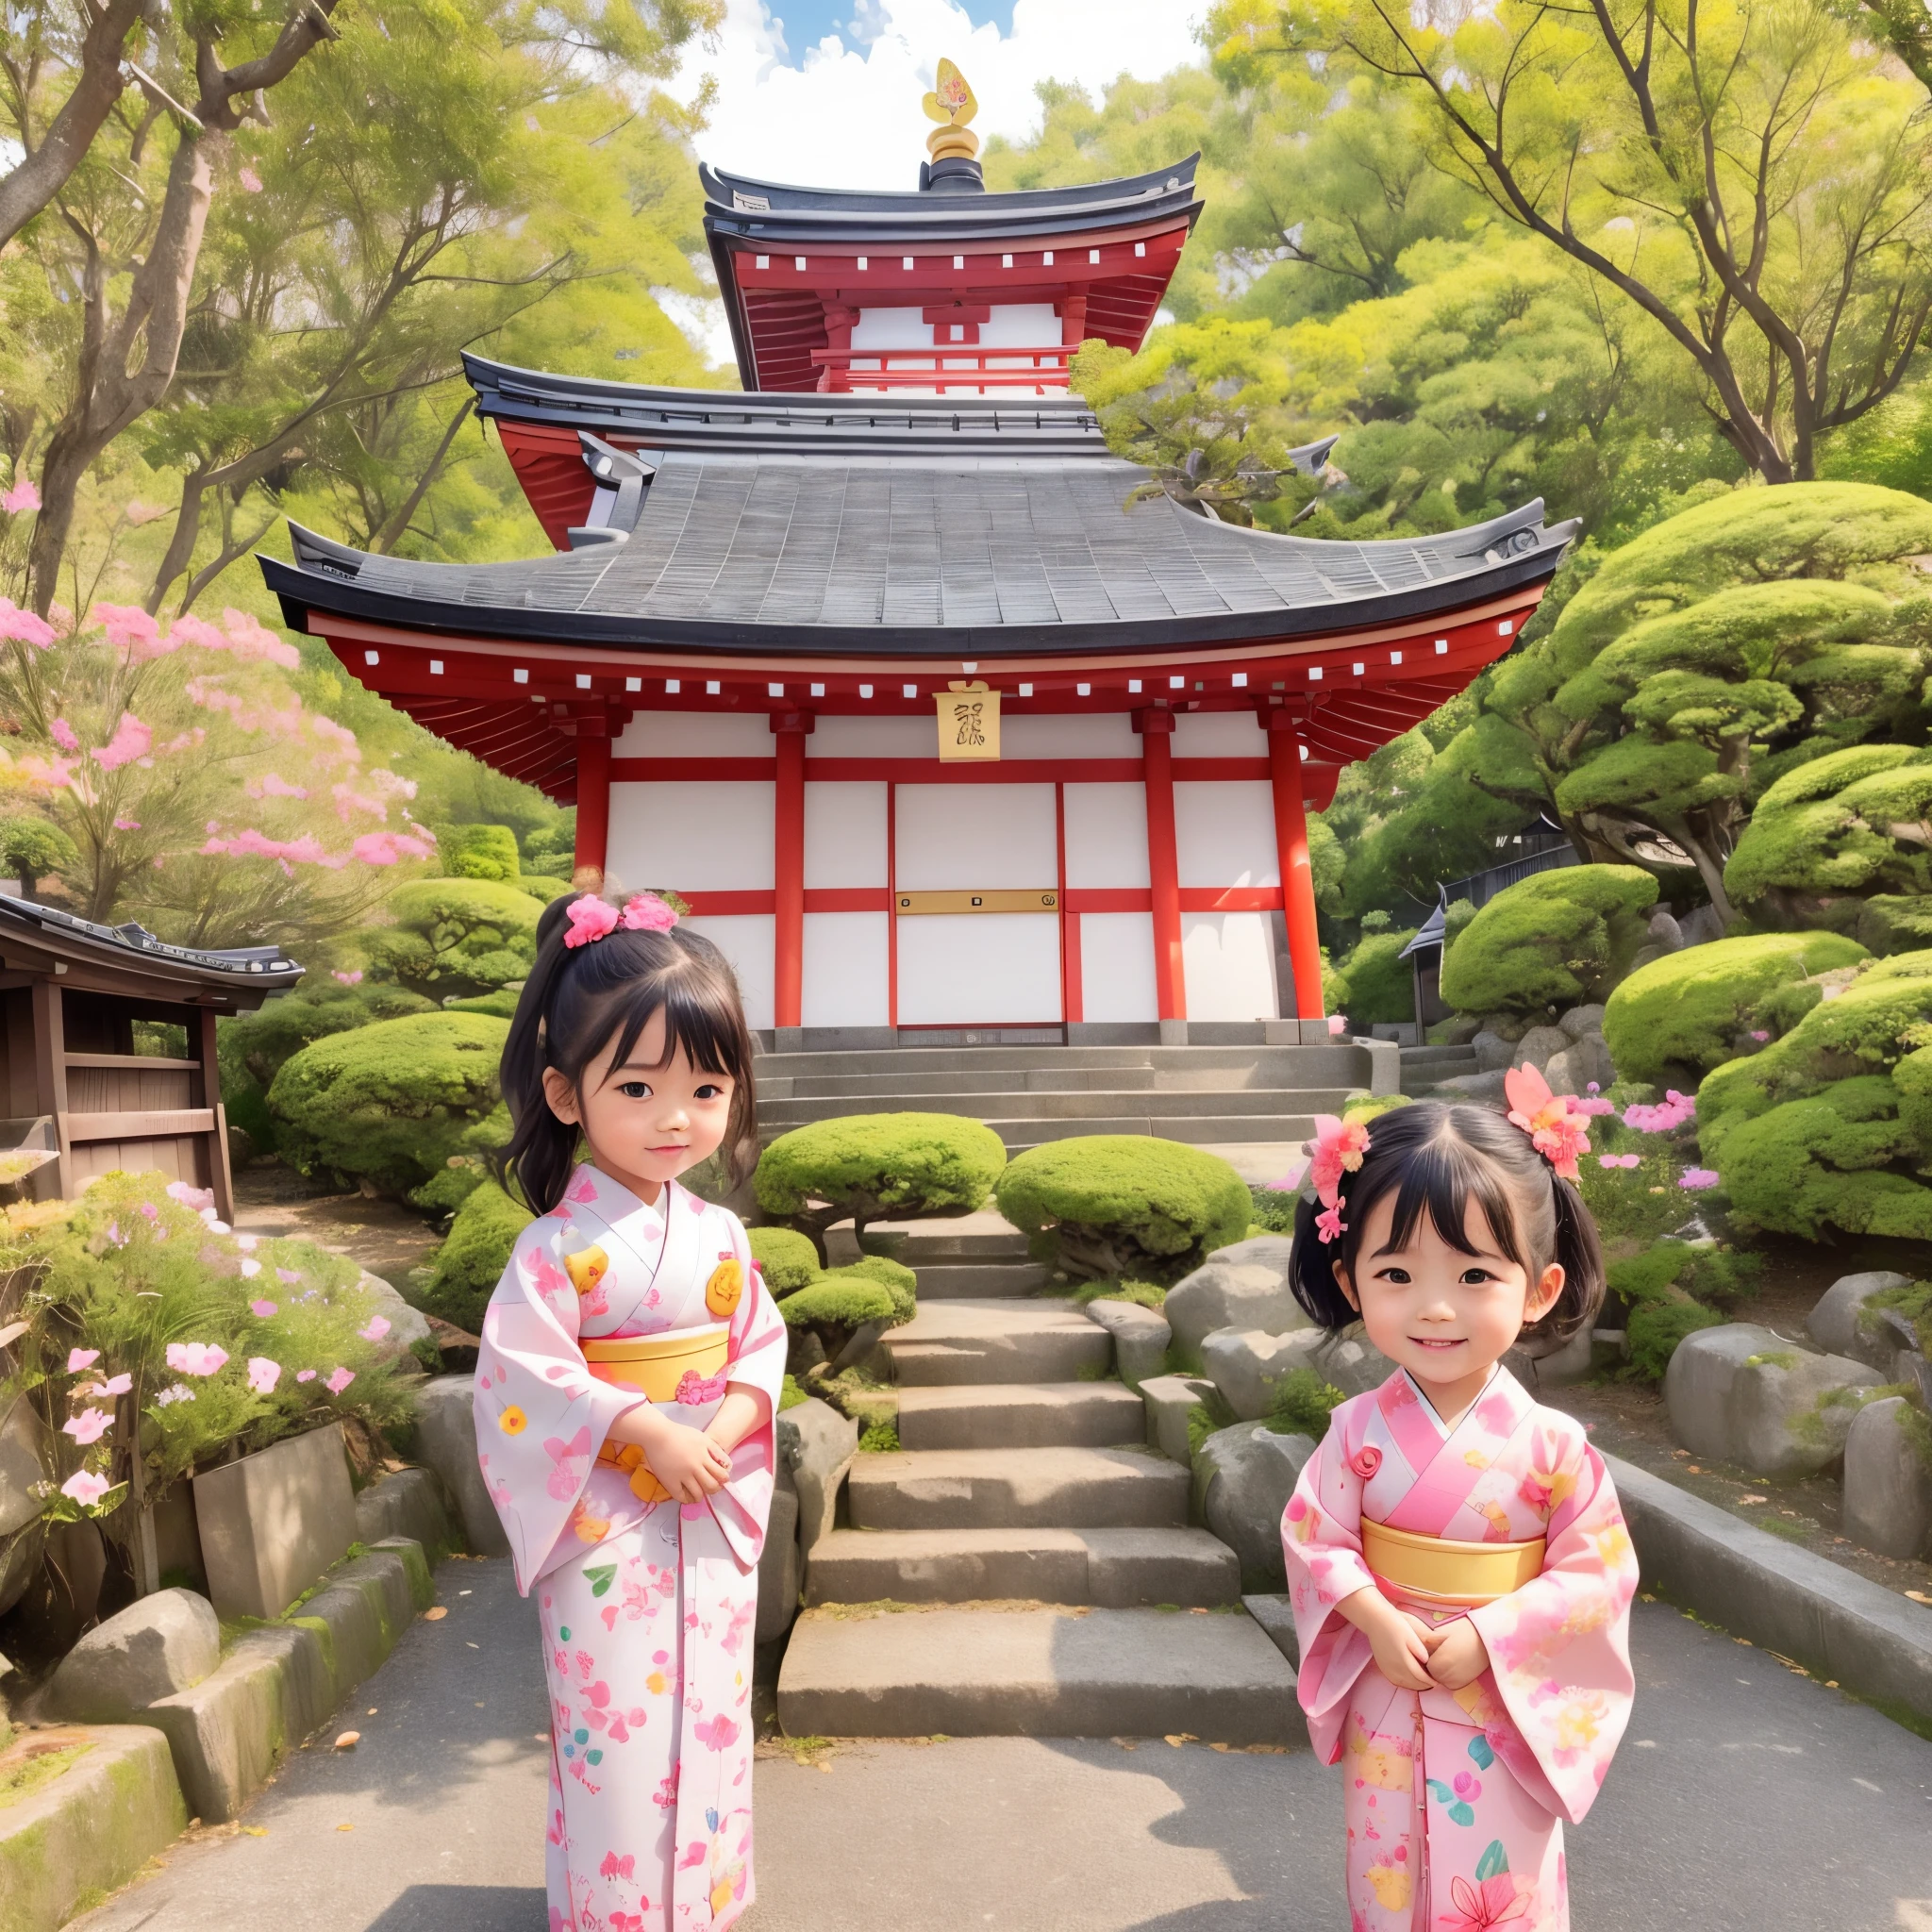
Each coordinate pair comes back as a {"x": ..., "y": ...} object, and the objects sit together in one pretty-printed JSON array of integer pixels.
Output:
[
  {"x": 1163, "y": 862},
  {"x": 787, "y": 869},
  {"x": 1297, "y": 876},
  {"x": 594, "y": 793}
]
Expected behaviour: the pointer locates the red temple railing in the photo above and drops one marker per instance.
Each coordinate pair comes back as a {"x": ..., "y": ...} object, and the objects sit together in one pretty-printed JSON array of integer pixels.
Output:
[{"x": 945, "y": 365}]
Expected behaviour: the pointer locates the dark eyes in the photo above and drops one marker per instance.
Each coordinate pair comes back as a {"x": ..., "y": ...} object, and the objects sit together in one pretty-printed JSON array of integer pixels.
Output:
[
  {"x": 708, "y": 1092},
  {"x": 1398, "y": 1275},
  {"x": 635, "y": 1090},
  {"x": 1474, "y": 1278}
]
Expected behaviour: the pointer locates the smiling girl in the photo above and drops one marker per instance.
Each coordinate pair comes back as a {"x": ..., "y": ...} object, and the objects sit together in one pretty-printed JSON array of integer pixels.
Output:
[
  {"x": 1457, "y": 1564},
  {"x": 626, "y": 1389}
]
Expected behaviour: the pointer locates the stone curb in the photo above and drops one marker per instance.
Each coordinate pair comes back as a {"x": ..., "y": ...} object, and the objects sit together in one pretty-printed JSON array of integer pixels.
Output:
[{"x": 1836, "y": 1623}]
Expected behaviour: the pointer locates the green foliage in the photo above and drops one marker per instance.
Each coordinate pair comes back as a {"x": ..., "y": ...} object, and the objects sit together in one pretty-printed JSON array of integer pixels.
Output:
[
  {"x": 786, "y": 1260},
  {"x": 790, "y": 1394},
  {"x": 472, "y": 1259},
  {"x": 32, "y": 847},
  {"x": 1112, "y": 1204},
  {"x": 870, "y": 1167},
  {"x": 1655, "y": 1329},
  {"x": 394, "y": 1101},
  {"x": 898, "y": 1280},
  {"x": 1301, "y": 1404},
  {"x": 831, "y": 1309},
  {"x": 1213, "y": 1412},
  {"x": 1914, "y": 1302},
  {"x": 254, "y": 1047},
  {"x": 481, "y": 851},
  {"x": 879, "y": 1436},
  {"x": 1558, "y": 939},
  {"x": 1273, "y": 1208},
  {"x": 457, "y": 936},
  {"x": 1632, "y": 1204},
  {"x": 1712, "y": 1275},
  {"x": 451, "y": 1185},
  {"x": 1143, "y": 1294},
  {"x": 1375, "y": 985},
  {"x": 1687, "y": 1009}
]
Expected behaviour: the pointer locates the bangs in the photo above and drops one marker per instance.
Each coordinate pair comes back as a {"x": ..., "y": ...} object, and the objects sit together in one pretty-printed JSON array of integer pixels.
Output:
[
  {"x": 1440, "y": 1177},
  {"x": 694, "y": 1025}
]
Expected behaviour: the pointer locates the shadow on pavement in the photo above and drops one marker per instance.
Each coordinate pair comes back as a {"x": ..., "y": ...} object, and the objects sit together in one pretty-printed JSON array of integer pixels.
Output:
[{"x": 464, "y": 1908}]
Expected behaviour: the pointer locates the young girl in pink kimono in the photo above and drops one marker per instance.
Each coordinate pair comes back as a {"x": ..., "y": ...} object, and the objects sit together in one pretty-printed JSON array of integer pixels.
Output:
[
  {"x": 626, "y": 1389},
  {"x": 1459, "y": 1568}
]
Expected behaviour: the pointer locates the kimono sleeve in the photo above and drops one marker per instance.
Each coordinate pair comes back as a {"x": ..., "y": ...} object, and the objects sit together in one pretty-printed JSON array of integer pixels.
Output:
[
  {"x": 1321, "y": 1539},
  {"x": 1559, "y": 1647},
  {"x": 755, "y": 1360},
  {"x": 541, "y": 1415}
]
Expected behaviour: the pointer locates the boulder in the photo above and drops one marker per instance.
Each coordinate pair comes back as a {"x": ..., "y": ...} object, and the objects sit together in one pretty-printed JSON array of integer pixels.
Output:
[
  {"x": 1348, "y": 1360},
  {"x": 1666, "y": 935},
  {"x": 1244, "y": 1286},
  {"x": 1583, "y": 1023},
  {"x": 817, "y": 1444},
  {"x": 1461, "y": 1030},
  {"x": 1544, "y": 1361},
  {"x": 1243, "y": 1477},
  {"x": 1888, "y": 1484},
  {"x": 1580, "y": 1063},
  {"x": 1742, "y": 1394},
  {"x": 155, "y": 1647},
  {"x": 1243, "y": 1363},
  {"x": 1170, "y": 1399},
  {"x": 779, "y": 1567},
  {"x": 407, "y": 1325},
  {"x": 408, "y": 1503},
  {"x": 1537, "y": 1046},
  {"x": 1480, "y": 1090},
  {"x": 1140, "y": 1337},
  {"x": 24, "y": 1459},
  {"x": 1833, "y": 1323},
  {"x": 1702, "y": 924},
  {"x": 1492, "y": 1051},
  {"x": 446, "y": 1441}
]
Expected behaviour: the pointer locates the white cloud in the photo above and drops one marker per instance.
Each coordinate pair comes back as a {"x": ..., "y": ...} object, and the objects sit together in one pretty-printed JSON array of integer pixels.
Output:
[{"x": 846, "y": 118}]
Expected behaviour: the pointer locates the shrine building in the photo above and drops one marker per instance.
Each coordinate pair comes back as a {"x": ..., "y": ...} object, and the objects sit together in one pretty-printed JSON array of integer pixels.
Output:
[{"x": 874, "y": 664}]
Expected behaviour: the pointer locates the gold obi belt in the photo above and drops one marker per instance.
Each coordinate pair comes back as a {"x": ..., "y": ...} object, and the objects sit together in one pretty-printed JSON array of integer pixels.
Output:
[
  {"x": 1435, "y": 1569},
  {"x": 653, "y": 1365}
]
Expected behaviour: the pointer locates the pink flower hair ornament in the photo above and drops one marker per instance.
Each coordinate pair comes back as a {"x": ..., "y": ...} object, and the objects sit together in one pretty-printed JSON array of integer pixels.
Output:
[
  {"x": 592, "y": 919},
  {"x": 1336, "y": 1150},
  {"x": 1557, "y": 1126}
]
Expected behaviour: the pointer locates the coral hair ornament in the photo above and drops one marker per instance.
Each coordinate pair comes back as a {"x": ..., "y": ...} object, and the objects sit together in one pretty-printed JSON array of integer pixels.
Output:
[
  {"x": 592, "y": 919},
  {"x": 1337, "y": 1149},
  {"x": 1557, "y": 1126}
]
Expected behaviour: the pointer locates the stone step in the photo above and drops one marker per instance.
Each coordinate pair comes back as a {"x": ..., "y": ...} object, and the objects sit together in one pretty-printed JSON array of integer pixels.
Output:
[
  {"x": 950, "y": 1342},
  {"x": 1119, "y": 1568},
  {"x": 1056, "y": 1104},
  {"x": 1048, "y": 1488},
  {"x": 1309, "y": 1066},
  {"x": 982, "y": 1237},
  {"x": 1038, "y": 1672},
  {"x": 1192, "y": 1130},
  {"x": 944, "y": 1281},
  {"x": 1044, "y": 1080},
  {"x": 1040, "y": 1415}
]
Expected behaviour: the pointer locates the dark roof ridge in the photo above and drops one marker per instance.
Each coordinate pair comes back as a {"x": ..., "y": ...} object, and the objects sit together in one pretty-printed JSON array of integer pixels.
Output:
[{"x": 723, "y": 190}]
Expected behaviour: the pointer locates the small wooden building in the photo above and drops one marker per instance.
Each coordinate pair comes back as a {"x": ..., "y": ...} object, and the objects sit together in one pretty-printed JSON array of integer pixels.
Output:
[{"x": 75, "y": 1091}]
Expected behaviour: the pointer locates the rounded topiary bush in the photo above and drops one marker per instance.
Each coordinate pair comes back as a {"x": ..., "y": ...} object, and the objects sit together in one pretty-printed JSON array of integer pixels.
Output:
[
  {"x": 835, "y": 1312},
  {"x": 875, "y": 1166},
  {"x": 1376, "y": 985},
  {"x": 390, "y": 1103},
  {"x": 461, "y": 936},
  {"x": 786, "y": 1260},
  {"x": 478, "y": 1249},
  {"x": 1103, "y": 1206},
  {"x": 1685, "y": 1010},
  {"x": 1559, "y": 938}
]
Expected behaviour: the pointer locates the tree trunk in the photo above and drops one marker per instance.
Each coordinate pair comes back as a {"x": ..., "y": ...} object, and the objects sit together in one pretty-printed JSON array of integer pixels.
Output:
[{"x": 180, "y": 551}]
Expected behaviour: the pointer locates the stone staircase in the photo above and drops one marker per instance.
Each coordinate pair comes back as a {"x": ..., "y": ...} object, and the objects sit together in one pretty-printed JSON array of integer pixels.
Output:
[
  {"x": 1204, "y": 1096},
  {"x": 1023, "y": 1564},
  {"x": 1425, "y": 1067}
]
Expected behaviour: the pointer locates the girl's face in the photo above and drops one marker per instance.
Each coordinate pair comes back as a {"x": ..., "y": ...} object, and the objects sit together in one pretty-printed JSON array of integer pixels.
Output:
[
  {"x": 1446, "y": 1316},
  {"x": 647, "y": 1120}
]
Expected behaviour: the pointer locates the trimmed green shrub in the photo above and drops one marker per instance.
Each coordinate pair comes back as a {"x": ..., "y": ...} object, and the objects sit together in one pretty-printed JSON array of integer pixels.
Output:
[
  {"x": 1670, "y": 1270},
  {"x": 390, "y": 1103},
  {"x": 1104, "y": 1205},
  {"x": 898, "y": 1281},
  {"x": 1302, "y": 1403},
  {"x": 500, "y": 1005},
  {"x": 480, "y": 852},
  {"x": 877, "y": 1166},
  {"x": 1685, "y": 1010},
  {"x": 1272, "y": 1209},
  {"x": 457, "y": 936},
  {"x": 831, "y": 1310},
  {"x": 787, "y": 1261},
  {"x": 1655, "y": 1330},
  {"x": 1895, "y": 922},
  {"x": 1375, "y": 986},
  {"x": 451, "y": 1185},
  {"x": 1558, "y": 939},
  {"x": 478, "y": 1249}
]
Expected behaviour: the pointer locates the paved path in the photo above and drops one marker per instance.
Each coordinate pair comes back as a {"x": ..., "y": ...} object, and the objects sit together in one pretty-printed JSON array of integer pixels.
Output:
[{"x": 1746, "y": 1800}]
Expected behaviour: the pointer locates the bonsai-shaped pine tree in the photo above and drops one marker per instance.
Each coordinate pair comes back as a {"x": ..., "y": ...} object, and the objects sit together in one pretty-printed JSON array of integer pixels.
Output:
[{"x": 30, "y": 848}]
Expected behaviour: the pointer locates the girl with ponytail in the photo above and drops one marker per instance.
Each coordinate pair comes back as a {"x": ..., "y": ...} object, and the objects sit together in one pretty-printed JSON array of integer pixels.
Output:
[
  {"x": 1457, "y": 1560},
  {"x": 625, "y": 1394}
]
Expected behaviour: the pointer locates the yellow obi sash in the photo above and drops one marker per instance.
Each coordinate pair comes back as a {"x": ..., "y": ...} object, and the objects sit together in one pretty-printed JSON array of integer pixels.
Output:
[
  {"x": 653, "y": 1365},
  {"x": 1435, "y": 1569}
]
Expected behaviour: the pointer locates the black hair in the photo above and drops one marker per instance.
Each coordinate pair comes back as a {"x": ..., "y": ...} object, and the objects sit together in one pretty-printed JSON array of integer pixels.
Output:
[
  {"x": 1437, "y": 1156},
  {"x": 577, "y": 998}
]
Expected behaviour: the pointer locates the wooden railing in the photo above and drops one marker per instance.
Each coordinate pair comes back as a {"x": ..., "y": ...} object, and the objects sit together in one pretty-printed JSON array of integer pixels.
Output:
[{"x": 946, "y": 366}]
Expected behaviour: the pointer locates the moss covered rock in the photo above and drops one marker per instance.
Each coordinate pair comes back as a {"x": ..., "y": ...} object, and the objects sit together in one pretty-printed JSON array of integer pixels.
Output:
[
  {"x": 390, "y": 1103},
  {"x": 786, "y": 1260},
  {"x": 1559, "y": 938},
  {"x": 828, "y": 1316},
  {"x": 1105, "y": 1206},
  {"x": 478, "y": 1251},
  {"x": 1684, "y": 1012},
  {"x": 876, "y": 1166}
]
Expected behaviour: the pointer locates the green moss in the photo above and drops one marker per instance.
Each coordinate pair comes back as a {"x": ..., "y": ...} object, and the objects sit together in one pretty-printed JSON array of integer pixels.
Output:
[
  {"x": 1914, "y": 1302},
  {"x": 391, "y": 1102},
  {"x": 22, "y": 1779},
  {"x": 898, "y": 1281},
  {"x": 469, "y": 1262},
  {"x": 879, "y": 1436},
  {"x": 500, "y": 1005},
  {"x": 1207, "y": 1417},
  {"x": 1143, "y": 1294},
  {"x": 1655, "y": 1330},
  {"x": 1272, "y": 1209},
  {"x": 480, "y": 852},
  {"x": 790, "y": 1395},
  {"x": 1109, "y": 1206},
  {"x": 786, "y": 1260},
  {"x": 1671, "y": 1270},
  {"x": 1775, "y": 1358},
  {"x": 1686, "y": 1010},
  {"x": 1300, "y": 1402},
  {"x": 1558, "y": 939}
]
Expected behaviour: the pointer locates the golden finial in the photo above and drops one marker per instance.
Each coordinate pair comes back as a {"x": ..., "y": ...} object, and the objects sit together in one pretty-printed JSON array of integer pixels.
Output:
[{"x": 952, "y": 105}]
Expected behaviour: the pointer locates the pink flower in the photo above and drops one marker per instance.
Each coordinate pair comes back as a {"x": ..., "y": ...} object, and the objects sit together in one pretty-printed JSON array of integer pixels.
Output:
[
  {"x": 1667, "y": 1115},
  {"x": 90, "y": 1425},
  {"x": 1329, "y": 1225},
  {"x": 271, "y": 785},
  {"x": 339, "y": 1380},
  {"x": 250, "y": 1268},
  {"x": 262, "y": 1308},
  {"x": 196, "y": 1357},
  {"x": 263, "y": 1374},
  {"x": 1593, "y": 1106},
  {"x": 646, "y": 912},
  {"x": 354, "y": 978},
  {"x": 288, "y": 1276},
  {"x": 305, "y": 1375},
  {"x": 86, "y": 1488},
  {"x": 79, "y": 1358},
  {"x": 124, "y": 824},
  {"x": 1337, "y": 1149},
  {"x": 591, "y": 918},
  {"x": 21, "y": 498},
  {"x": 1555, "y": 1130},
  {"x": 61, "y": 732},
  {"x": 132, "y": 739},
  {"x": 196, "y": 1198},
  {"x": 1366, "y": 1460},
  {"x": 1618, "y": 1159},
  {"x": 1698, "y": 1179},
  {"x": 386, "y": 848},
  {"x": 114, "y": 1385},
  {"x": 377, "y": 1328},
  {"x": 1488, "y": 1901},
  {"x": 1759, "y": 1035},
  {"x": 23, "y": 626},
  {"x": 249, "y": 180}
]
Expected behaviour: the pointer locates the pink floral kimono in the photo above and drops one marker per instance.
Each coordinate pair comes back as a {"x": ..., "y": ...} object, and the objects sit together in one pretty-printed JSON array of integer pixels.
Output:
[
  {"x": 1455, "y": 1800},
  {"x": 647, "y": 1608}
]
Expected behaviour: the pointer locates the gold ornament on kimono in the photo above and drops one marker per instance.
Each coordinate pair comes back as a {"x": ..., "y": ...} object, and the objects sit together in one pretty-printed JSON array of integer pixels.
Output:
[
  {"x": 724, "y": 1288},
  {"x": 586, "y": 1269}
]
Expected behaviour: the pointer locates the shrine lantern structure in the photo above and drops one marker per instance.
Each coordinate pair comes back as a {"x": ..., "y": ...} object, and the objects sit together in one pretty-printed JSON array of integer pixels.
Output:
[{"x": 879, "y": 666}]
